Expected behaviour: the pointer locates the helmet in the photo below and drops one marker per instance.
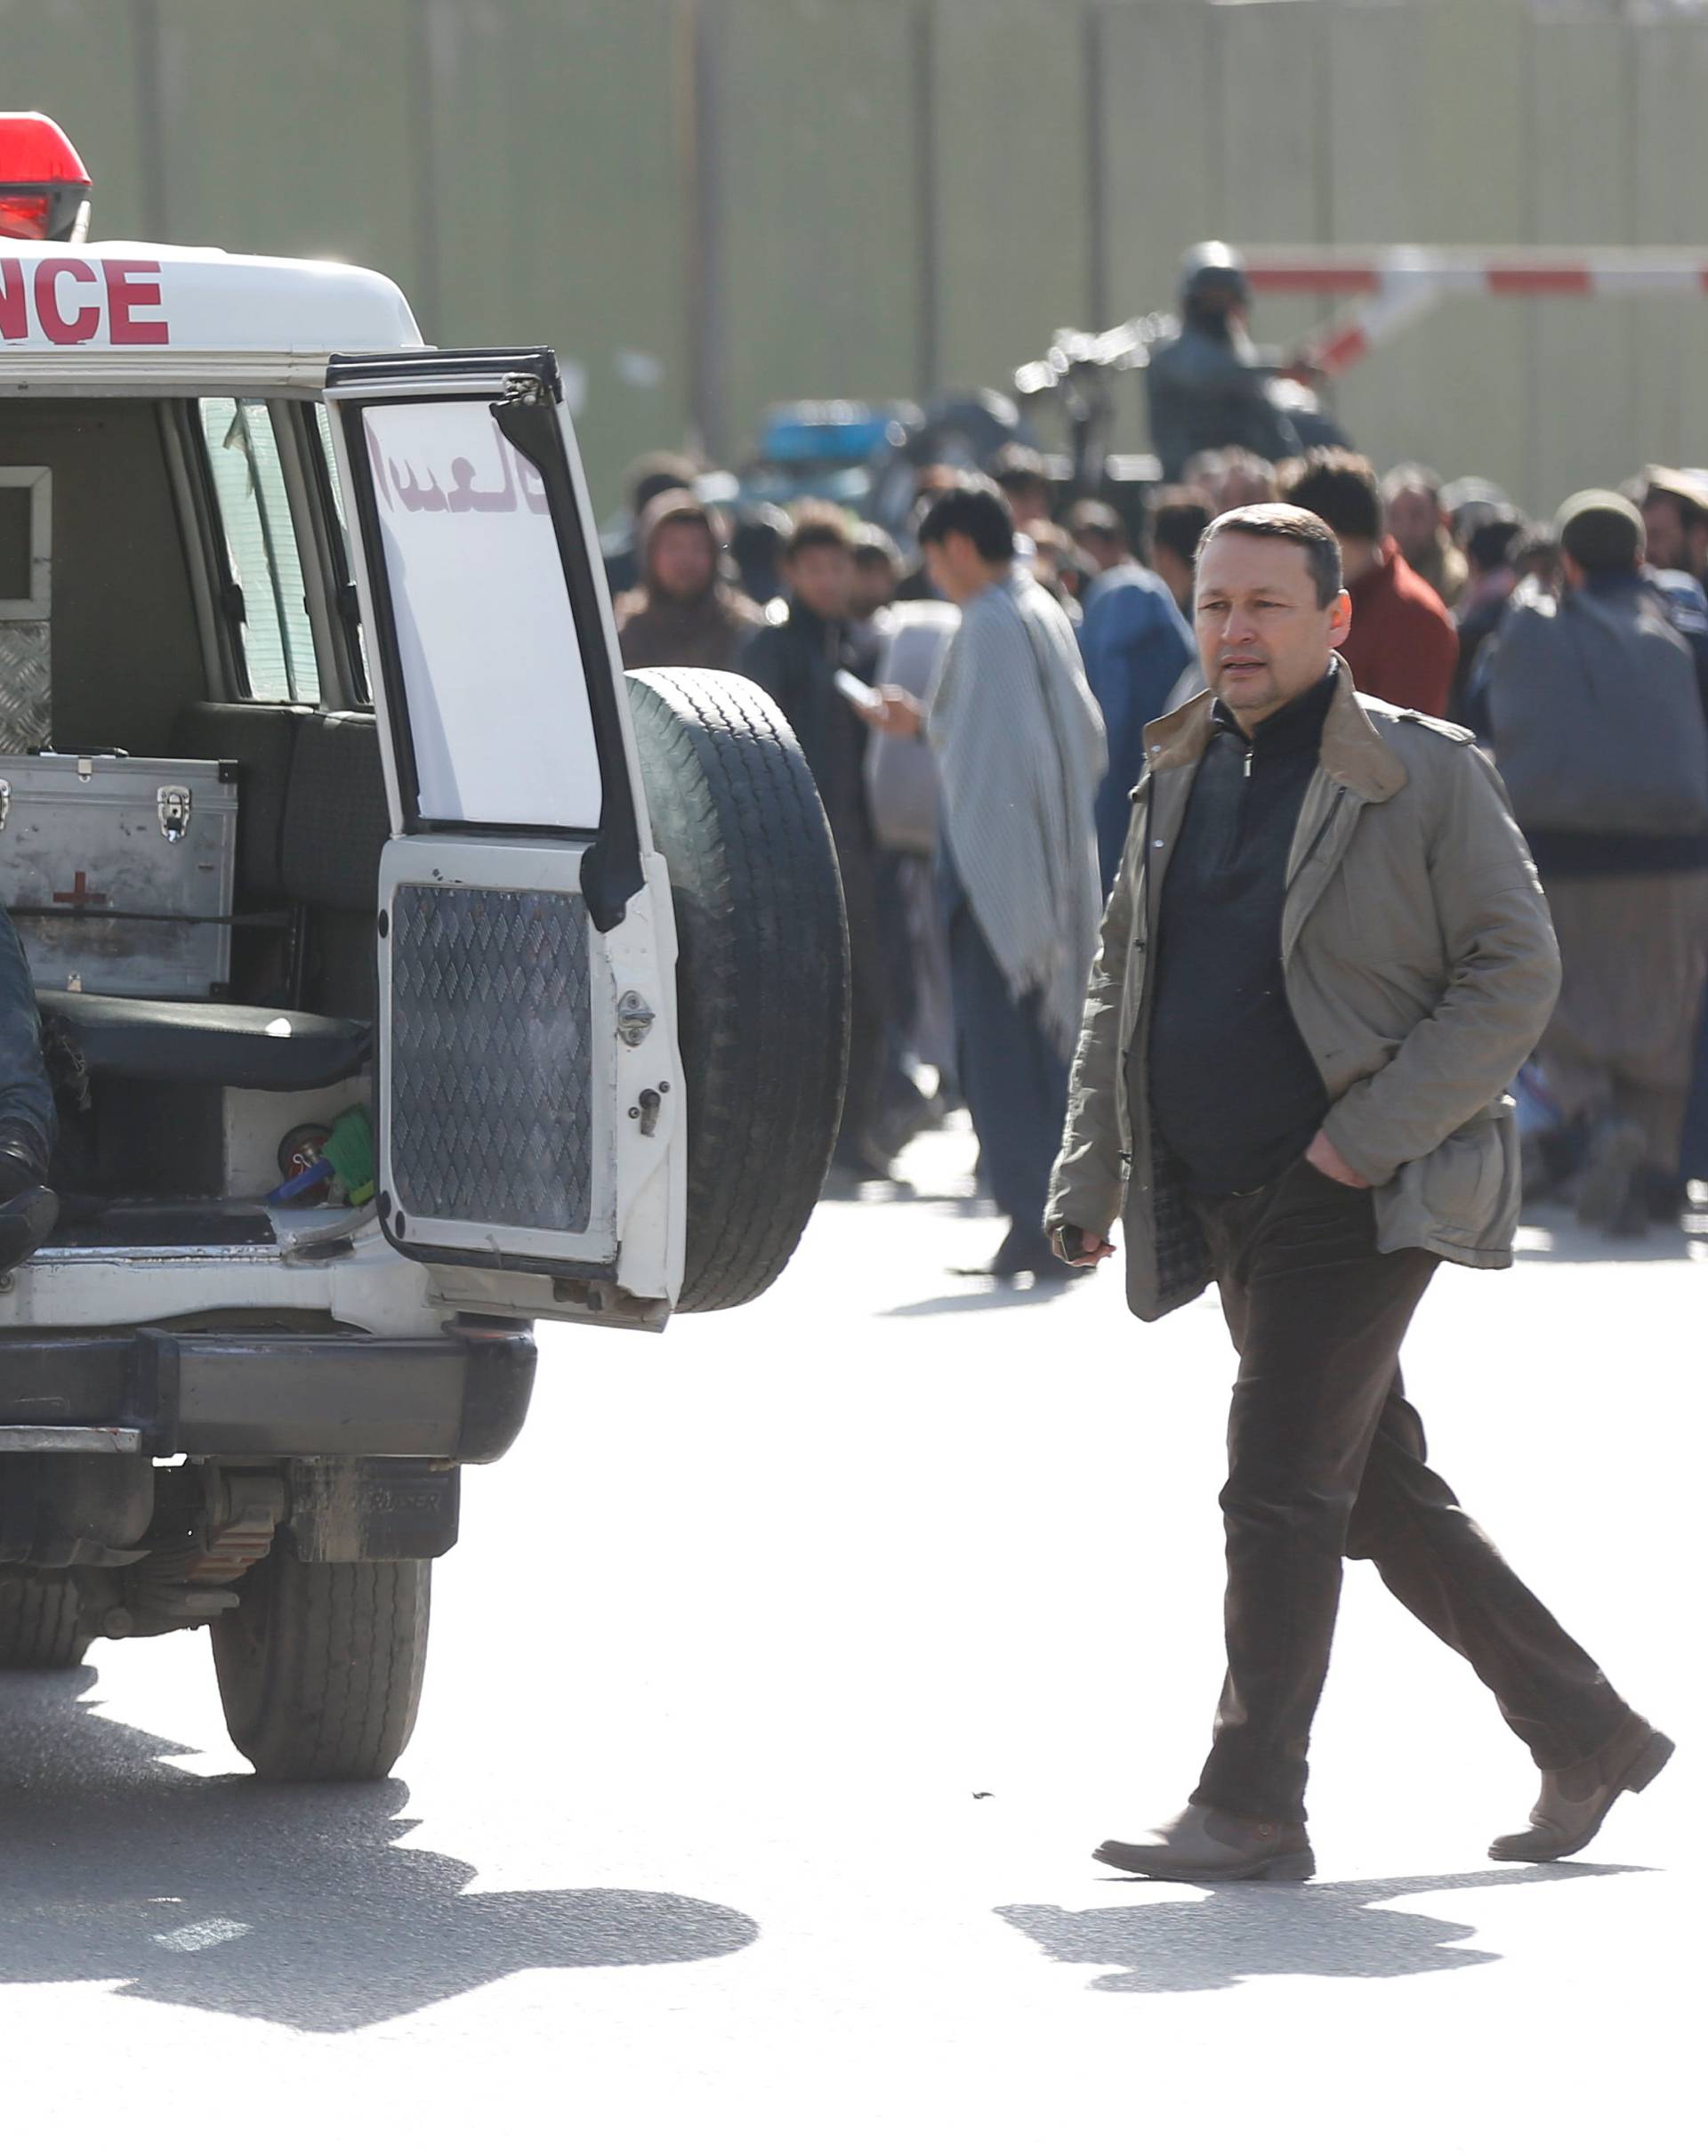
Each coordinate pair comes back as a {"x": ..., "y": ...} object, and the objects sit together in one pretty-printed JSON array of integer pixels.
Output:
[{"x": 1213, "y": 276}]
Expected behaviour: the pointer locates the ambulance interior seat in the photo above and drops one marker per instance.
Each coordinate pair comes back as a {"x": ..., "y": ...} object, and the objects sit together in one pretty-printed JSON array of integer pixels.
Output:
[
  {"x": 311, "y": 822},
  {"x": 244, "y": 1045}
]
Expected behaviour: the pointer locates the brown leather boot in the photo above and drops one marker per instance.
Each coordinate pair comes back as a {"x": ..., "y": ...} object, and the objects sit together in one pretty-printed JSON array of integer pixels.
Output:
[
  {"x": 1203, "y": 1845},
  {"x": 1574, "y": 1800}
]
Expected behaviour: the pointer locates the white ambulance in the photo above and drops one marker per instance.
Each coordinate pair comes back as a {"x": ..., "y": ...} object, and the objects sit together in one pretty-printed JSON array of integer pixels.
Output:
[{"x": 407, "y": 975}]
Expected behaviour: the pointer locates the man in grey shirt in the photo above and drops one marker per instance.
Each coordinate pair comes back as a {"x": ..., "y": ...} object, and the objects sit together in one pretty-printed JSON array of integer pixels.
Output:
[{"x": 1020, "y": 749}]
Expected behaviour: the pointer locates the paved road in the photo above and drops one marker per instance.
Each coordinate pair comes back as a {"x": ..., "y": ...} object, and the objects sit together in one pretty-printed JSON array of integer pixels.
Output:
[{"x": 788, "y": 1671}]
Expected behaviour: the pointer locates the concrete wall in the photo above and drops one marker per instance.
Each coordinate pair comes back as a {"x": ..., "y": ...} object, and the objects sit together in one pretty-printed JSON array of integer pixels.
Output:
[{"x": 707, "y": 204}]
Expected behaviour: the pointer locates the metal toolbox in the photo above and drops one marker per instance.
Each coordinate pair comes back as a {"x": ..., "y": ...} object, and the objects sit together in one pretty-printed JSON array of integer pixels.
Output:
[{"x": 118, "y": 871}]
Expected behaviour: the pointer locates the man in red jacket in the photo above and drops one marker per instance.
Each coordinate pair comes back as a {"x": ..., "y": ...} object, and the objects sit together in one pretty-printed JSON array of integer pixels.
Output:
[{"x": 1403, "y": 645}]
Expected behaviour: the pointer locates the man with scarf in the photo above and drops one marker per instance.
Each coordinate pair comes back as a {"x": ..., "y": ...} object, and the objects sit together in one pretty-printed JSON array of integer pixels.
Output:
[
  {"x": 682, "y": 612},
  {"x": 1020, "y": 749}
]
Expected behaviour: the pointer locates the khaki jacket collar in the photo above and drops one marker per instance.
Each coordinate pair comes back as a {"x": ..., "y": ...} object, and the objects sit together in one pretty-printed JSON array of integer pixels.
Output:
[{"x": 1353, "y": 754}]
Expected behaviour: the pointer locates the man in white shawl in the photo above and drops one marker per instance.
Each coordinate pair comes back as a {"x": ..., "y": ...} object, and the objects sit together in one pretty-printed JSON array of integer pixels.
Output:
[{"x": 1020, "y": 749}]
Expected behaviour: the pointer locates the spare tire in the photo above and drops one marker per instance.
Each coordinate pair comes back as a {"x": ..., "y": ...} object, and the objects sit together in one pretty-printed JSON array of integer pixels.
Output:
[{"x": 761, "y": 970}]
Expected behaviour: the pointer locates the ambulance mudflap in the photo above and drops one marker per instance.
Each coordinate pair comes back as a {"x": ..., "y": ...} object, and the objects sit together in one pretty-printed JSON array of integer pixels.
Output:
[{"x": 530, "y": 1123}]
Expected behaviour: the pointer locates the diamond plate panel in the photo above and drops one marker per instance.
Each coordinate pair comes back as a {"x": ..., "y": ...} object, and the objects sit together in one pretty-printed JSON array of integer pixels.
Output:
[
  {"x": 491, "y": 1106},
  {"x": 26, "y": 684}
]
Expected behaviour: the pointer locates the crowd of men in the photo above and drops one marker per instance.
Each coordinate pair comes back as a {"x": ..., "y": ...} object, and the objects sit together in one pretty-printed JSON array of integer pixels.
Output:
[{"x": 977, "y": 787}]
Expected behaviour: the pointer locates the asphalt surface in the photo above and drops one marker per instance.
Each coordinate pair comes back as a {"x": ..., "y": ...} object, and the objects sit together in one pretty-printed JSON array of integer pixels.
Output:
[{"x": 788, "y": 1673}]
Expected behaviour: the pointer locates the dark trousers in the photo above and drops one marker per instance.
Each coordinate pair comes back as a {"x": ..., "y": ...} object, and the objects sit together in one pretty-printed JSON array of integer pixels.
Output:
[
  {"x": 1694, "y": 1156},
  {"x": 1016, "y": 1084},
  {"x": 868, "y": 1035},
  {"x": 1326, "y": 1460}
]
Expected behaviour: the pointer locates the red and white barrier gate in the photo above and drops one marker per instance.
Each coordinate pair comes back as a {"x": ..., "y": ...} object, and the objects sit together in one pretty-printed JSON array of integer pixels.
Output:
[{"x": 1395, "y": 284}]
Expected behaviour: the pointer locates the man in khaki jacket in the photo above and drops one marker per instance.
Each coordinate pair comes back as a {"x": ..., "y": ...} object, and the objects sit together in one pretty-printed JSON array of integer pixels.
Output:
[{"x": 1325, "y": 958}]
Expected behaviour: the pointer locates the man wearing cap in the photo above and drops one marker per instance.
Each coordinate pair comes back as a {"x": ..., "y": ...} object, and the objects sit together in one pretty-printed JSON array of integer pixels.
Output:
[
  {"x": 1675, "y": 521},
  {"x": 1209, "y": 385},
  {"x": 1323, "y": 961},
  {"x": 1595, "y": 719}
]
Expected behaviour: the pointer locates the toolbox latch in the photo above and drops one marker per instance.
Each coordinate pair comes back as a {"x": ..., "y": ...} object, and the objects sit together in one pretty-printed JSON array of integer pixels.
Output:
[
  {"x": 176, "y": 804},
  {"x": 5, "y": 802}
]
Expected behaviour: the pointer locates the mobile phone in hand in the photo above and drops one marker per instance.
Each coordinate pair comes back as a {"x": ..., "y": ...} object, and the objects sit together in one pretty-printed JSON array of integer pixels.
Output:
[
  {"x": 858, "y": 693},
  {"x": 1073, "y": 1243}
]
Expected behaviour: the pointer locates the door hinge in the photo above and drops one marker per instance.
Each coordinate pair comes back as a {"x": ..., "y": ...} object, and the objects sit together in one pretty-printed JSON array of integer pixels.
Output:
[{"x": 522, "y": 388}]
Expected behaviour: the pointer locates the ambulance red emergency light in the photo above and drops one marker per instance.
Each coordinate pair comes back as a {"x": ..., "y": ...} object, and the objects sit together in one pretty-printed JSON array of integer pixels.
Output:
[
  {"x": 44, "y": 191},
  {"x": 59, "y": 294}
]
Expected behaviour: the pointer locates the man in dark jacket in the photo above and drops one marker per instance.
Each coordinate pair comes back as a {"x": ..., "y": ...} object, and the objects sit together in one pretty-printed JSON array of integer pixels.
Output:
[
  {"x": 797, "y": 661},
  {"x": 1136, "y": 646},
  {"x": 1324, "y": 959},
  {"x": 1208, "y": 385},
  {"x": 1596, "y": 720},
  {"x": 682, "y": 612}
]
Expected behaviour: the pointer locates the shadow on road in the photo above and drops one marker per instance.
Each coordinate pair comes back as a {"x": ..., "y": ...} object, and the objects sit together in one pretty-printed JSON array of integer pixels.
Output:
[
  {"x": 1566, "y": 1243},
  {"x": 1327, "y": 1929},
  {"x": 276, "y": 1904},
  {"x": 985, "y": 1295}
]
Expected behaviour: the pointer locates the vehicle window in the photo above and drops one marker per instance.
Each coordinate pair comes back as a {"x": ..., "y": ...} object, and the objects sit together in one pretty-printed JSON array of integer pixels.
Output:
[
  {"x": 277, "y": 635},
  {"x": 496, "y": 697},
  {"x": 26, "y": 542},
  {"x": 334, "y": 496}
]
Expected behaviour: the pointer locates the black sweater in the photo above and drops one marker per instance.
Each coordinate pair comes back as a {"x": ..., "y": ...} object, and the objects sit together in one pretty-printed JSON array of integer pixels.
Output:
[{"x": 1235, "y": 1095}]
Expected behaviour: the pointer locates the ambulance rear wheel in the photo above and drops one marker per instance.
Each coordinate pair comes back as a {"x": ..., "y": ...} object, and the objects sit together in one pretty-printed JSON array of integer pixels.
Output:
[
  {"x": 761, "y": 972},
  {"x": 320, "y": 1666},
  {"x": 39, "y": 1626}
]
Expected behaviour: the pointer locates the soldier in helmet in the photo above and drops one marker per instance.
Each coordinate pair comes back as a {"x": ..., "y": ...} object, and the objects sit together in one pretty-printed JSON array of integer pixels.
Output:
[{"x": 1208, "y": 384}]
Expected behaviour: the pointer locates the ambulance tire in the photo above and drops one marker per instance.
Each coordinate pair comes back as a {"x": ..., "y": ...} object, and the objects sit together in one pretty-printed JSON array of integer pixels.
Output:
[
  {"x": 39, "y": 1626},
  {"x": 761, "y": 970},
  {"x": 320, "y": 1666}
]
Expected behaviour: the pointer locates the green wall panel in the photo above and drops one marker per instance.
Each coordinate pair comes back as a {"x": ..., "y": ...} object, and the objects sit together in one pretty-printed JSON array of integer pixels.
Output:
[
  {"x": 1451, "y": 389},
  {"x": 1271, "y": 129},
  {"x": 1669, "y": 337},
  {"x": 1162, "y": 169},
  {"x": 819, "y": 185},
  {"x": 1013, "y": 254},
  {"x": 556, "y": 207},
  {"x": 1585, "y": 428},
  {"x": 89, "y": 84},
  {"x": 300, "y": 131}
]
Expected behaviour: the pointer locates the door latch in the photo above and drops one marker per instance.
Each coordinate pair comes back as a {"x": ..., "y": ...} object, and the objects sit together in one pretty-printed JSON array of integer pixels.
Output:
[
  {"x": 634, "y": 1016},
  {"x": 174, "y": 803}
]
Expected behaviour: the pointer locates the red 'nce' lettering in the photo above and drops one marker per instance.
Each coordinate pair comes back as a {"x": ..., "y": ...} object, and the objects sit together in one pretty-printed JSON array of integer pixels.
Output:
[
  {"x": 63, "y": 328},
  {"x": 131, "y": 285},
  {"x": 14, "y": 311}
]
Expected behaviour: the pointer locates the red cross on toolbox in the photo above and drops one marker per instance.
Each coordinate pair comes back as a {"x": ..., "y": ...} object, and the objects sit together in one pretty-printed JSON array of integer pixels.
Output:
[
  {"x": 80, "y": 894},
  {"x": 148, "y": 910}
]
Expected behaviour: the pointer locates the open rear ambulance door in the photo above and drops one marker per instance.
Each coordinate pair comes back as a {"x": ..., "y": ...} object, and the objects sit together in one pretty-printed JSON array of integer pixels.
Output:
[{"x": 530, "y": 1131}]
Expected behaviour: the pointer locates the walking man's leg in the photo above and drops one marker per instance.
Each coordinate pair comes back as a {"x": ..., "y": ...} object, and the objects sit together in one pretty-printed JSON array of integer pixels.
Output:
[
  {"x": 1317, "y": 1315},
  {"x": 1434, "y": 1557},
  {"x": 1016, "y": 1090}
]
